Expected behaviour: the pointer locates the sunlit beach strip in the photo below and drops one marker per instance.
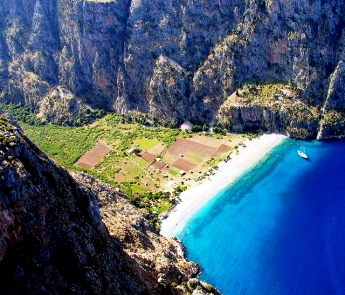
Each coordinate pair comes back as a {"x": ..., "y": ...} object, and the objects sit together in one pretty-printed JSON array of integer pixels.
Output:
[{"x": 227, "y": 172}]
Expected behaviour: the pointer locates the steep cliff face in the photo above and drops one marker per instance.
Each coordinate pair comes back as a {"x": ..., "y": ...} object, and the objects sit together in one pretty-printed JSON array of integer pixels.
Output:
[
  {"x": 273, "y": 108},
  {"x": 333, "y": 119},
  {"x": 167, "y": 90},
  {"x": 53, "y": 239},
  {"x": 173, "y": 59},
  {"x": 77, "y": 44}
]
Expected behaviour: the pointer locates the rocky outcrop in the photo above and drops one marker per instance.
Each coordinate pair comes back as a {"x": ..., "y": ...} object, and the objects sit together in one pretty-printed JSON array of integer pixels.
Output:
[
  {"x": 168, "y": 90},
  {"x": 77, "y": 44},
  {"x": 61, "y": 107},
  {"x": 332, "y": 125},
  {"x": 269, "y": 108},
  {"x": 174, "y": 60},
  {"x": 74, "y": 235},
  {"x": 333, "y": 120}
]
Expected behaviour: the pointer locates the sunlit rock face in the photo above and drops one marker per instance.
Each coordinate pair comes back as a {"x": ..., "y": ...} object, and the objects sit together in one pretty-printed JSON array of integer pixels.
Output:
[{"x": 175, "y": 60}]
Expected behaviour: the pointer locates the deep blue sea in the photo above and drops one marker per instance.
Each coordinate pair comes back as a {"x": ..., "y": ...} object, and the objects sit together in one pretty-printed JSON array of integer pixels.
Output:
[{"x": 280, "y": 229}]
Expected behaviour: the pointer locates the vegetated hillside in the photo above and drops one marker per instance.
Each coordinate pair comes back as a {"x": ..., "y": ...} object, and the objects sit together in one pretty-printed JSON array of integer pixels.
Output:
[
  {"x": 174, "y": 59},
  {"x": 63, "y": 234}
]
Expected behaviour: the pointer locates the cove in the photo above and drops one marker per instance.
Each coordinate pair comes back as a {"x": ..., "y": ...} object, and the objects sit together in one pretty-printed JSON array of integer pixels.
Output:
[{"x": 279, "y": 229}]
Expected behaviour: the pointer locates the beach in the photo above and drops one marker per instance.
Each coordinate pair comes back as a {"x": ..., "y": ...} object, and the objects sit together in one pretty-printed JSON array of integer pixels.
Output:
[{"x": 196, "y": 196}]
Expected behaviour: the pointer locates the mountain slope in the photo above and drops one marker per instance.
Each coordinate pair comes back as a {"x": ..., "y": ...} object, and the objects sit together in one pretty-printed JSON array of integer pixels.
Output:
[
  {"x": 173, "y": 59},
  {"x": 53, "y": 239}
]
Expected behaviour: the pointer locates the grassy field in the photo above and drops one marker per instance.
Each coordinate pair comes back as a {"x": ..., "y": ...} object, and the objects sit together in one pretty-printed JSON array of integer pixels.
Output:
[
  {"x": 63, "y": 144},
  {"x": 67, "y": 144},
  {"x": 149, "y": 183}
]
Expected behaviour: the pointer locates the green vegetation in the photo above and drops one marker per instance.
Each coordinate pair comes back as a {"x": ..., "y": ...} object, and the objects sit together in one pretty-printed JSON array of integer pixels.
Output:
[
  {"x": 333, "y": 122},
  {"x": 5, "y": 124},
  {"x": 173, "y": 171},
  {"x": 196, "y": 128},
  {"x": 209, "y": 288},
  {"x": 127, "y": 162},
  {"x": 252, "y": 135},
  {"x": 272, "y": 99},
  {"x": 146, "y": 143},
  {"x": 26, "y": 115},
  {"x": 333, "y": 118},
  {"x": 219, "y": 130},
  {"x": 63, "y": 144},
  {"x": 22, "y": 114},
  {"x": 119, "y": 168}
]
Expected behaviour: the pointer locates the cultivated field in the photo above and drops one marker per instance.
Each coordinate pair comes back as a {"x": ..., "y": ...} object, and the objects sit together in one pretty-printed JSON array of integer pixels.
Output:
[
  {"x": 103, "y": 150},
  {"x": 183, "y": 145},
  {"x": 183, "y": 165},
  {"x": 148, "y": 157},
  {"x": 93, "y": 156}
]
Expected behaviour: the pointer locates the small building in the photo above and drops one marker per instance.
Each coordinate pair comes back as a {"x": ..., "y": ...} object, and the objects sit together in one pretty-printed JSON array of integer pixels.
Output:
[
  {"x": 131, "y": 151},
  {"x": 158, "y": 159},
  {"x": 182, "y": 172}
]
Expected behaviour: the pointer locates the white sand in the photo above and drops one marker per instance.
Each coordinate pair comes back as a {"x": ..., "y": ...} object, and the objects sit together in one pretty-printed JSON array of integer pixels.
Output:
[{"x": 193, "y": 198}]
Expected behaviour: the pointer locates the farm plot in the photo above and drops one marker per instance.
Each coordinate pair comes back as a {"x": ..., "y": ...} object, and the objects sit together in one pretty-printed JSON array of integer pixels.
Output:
[
  {"x": 209, "y": 141},
  {"x": 195, "y": 157},
  {"x": 215, "y": 142},
  {"x": 183, "y": 165},
  {"x": 157, "y": 149},
  {"x": 159, "y": 165},
  {"x": 182, "y": 145},
  {"x": 93, "y": 156},
  {"x": 139, "y": 161},
  {"x": 152, "y": 154},
  {"x": 128, "y": 172},
  {"x": 148, "y": 157},
  {"x": 146, "y": 143},
  {"x": 221, "y": 150},
  {"x": 198, "y": 151}
]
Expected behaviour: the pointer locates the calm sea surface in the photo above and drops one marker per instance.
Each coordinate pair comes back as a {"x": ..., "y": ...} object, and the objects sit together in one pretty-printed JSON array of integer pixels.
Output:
[{"x": 280, "y": 229}]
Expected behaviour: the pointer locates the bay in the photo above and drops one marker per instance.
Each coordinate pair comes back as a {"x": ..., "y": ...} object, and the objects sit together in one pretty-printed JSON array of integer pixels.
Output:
[{"x": 279, "y": 229}]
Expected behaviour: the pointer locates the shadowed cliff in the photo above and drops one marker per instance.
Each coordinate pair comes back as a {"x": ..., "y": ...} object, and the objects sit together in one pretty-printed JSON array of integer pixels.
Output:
[{"x": 63, "y": 234}]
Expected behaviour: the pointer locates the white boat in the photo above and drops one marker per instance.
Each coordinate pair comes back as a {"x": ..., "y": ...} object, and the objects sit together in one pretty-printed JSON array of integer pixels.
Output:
[{"x": 301, "y": 153}]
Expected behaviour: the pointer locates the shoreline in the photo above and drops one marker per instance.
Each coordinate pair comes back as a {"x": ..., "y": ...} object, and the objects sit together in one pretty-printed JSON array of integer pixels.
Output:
[{"x": 195, "y": 197}]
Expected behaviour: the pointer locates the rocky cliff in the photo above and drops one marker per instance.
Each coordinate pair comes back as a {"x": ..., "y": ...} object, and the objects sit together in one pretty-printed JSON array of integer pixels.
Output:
[
  {"x": 63, "y": 234},
  {"x": 174, "y": 59}
]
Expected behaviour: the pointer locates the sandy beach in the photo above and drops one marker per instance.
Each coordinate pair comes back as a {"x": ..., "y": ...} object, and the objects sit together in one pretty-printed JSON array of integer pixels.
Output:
[{"x": 193, "y": 198}]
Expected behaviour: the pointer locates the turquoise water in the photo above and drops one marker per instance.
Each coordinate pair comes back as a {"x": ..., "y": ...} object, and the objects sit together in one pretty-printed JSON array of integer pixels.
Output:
[{"x": 280, "y": 229}]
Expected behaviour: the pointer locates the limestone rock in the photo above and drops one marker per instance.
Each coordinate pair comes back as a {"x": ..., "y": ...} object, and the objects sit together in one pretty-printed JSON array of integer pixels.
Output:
[
  {"x": 174, "y": 60},
  {"x": 60, "y": 106},
  {"x": 332, "y": 125},
  {"x": 271, "y": 108},
  {"x": 167, "y": 90},
  {"x": 336, "y": 92}
]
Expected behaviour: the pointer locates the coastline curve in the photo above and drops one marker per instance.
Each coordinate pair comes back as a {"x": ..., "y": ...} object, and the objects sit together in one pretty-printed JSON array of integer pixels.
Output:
[{"x": 195, "y": 197}]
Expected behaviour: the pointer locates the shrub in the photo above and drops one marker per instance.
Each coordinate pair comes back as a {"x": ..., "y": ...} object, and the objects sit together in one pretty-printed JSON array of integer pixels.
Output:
[
  {"x": 210, "y": 288},
  {"x": 196, "y": 128}
]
